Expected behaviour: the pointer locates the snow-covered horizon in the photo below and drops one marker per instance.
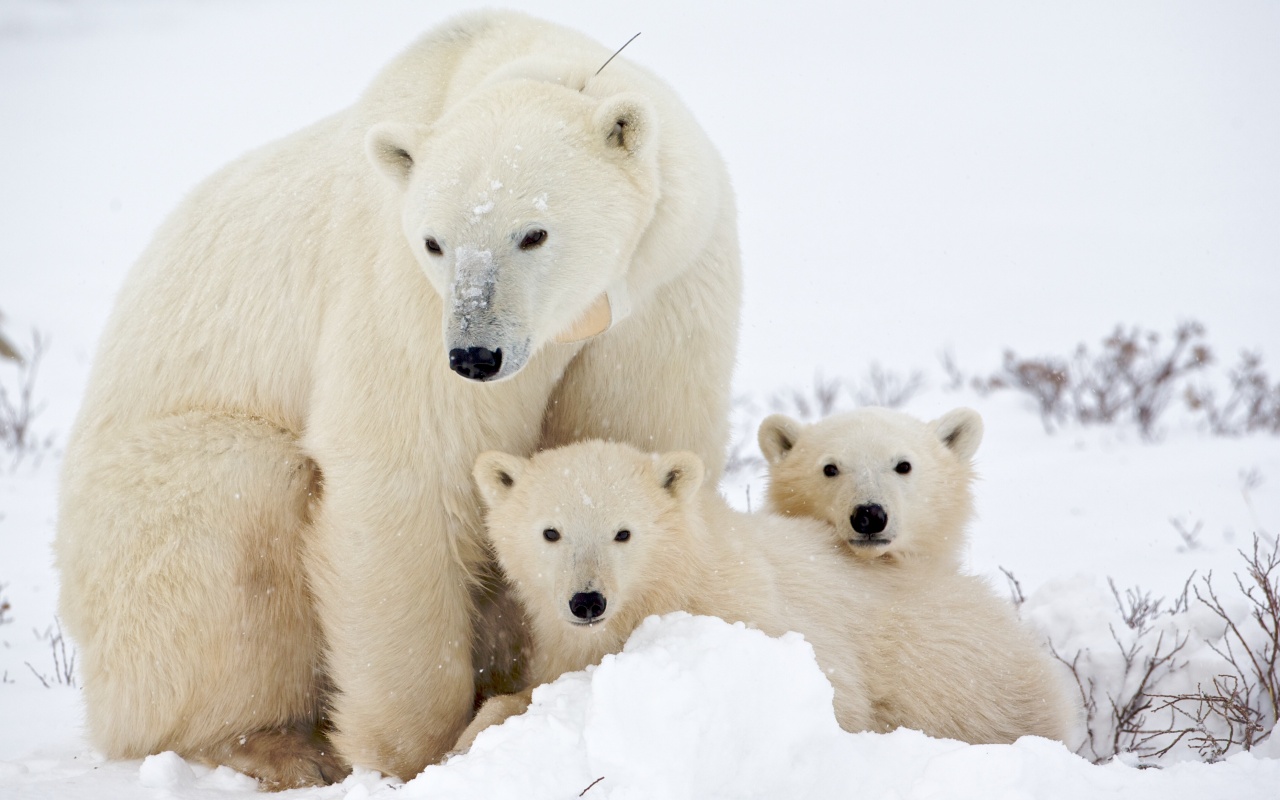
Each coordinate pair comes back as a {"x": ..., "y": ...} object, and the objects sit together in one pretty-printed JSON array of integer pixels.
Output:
[{"x": 912, "y": 179}]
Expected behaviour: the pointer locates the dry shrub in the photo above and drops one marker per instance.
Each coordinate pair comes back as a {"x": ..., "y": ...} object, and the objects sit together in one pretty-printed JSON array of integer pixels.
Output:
[
  {"x": 1253, "y": 658},
  {"x": 1116, "y": 713},
  {"x": 64, "y": 663},
  {"x": 1252, "y": 404},
  {"x": 1230, "y": 711},
  {"x": 809, "y": 405},
  {"x": 17, "y": 407},
  {"x": 882, "y": 387},
  {"x": 1132, "y": 377}
]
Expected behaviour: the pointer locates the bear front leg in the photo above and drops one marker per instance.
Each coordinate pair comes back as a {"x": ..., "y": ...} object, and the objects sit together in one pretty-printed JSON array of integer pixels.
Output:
[
  {"x": 179, "y": 542},
  {"x": 495, "y": 711},
  {"x": 394, "y": 601}
]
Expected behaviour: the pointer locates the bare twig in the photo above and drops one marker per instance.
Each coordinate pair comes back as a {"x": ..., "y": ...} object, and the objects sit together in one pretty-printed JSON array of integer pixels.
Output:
[
  {"x": 39, "y": 677},
  {"x": 1015, "y": 589},
  {"x": 17, "y": 411},
  {"x": 820, "y": 401},
  {"x": 1215, "y": 720},
  {"x": 889, "y": 389},
  {"x": 64, "y": 664},
  {"x": 955, "y": 378},
  {"x": 1261, "y": 655},
  {"x": 1190, "y": 538}
]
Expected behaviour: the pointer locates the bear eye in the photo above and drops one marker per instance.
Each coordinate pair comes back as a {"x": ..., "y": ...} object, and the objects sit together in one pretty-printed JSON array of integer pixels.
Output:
[
  {"x": 622, "y": 536},
  {"x": 831, "y": 470},
  {"x": 533, "y": 238},
  {"x": 903, "y": 467},
  {"x": 433, "y": 247},
  {"x": 551, "y": 535}
]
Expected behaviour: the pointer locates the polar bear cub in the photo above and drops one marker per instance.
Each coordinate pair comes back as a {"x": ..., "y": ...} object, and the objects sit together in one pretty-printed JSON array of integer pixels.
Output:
[
  {"x": 891, "y": 487},
  {"x": 596, "y": 536},
  {"x": 949, "y": 656}
]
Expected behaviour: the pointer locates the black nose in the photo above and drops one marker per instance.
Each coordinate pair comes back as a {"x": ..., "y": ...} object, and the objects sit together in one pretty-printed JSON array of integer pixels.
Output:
[
  {"x": 869, "y": 519},
  {"x": 476, "y": 363},
  {"x": 587, "y": 605}
]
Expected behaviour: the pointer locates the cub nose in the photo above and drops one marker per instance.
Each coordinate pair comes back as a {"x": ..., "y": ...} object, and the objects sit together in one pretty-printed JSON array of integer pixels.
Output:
[
  {"x": 869, "y": 519},
  {"x": 587, "y": 605},
  {"x": 476, "y": 363}
]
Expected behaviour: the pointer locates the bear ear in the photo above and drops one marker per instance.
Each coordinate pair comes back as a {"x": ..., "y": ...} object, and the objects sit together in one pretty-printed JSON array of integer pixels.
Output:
[
  {"x": 625, "y": 122},
  {"x": 960, "y": 430},
  {"x": 680, "y": 473},
  {"x": 496, "y": 475},
  {"x": 389, "y": 147},
  {"x": 777, "y": 435}
]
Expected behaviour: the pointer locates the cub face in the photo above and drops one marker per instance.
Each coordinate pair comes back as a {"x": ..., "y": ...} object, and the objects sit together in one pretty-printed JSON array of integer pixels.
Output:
[
  {"x": 588, "y": 532},
  {"x": 524, "y": 205},
  {"x": 890, "y": 486}
]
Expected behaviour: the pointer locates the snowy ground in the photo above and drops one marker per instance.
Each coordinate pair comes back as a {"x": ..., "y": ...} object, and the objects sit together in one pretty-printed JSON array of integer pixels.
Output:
[{"x": 1029, "y": 176}]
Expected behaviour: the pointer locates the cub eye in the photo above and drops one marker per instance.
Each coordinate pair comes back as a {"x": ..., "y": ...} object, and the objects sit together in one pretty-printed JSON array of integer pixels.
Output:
[
  {"x": 533, "y": 238},
  {"x": 831, "y": 470},
  {"x": 551, "y": 535},
  {"x": 903, "y": 467},
  {"x": 622, "y": 536},
  {"x": 433, "y": 247}
]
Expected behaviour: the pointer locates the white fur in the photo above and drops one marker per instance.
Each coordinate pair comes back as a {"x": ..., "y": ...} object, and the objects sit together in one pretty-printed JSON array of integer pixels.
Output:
[
  {"x": 927, "y": 508},
  {"x": 687, "y": 550},
  {"x": 273, "y": 453},
  {"x": 949, "y": 657}
]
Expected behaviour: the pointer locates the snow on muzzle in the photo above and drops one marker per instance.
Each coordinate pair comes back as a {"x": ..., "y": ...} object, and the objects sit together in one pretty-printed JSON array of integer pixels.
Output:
[{"x": 483, "y": 342}]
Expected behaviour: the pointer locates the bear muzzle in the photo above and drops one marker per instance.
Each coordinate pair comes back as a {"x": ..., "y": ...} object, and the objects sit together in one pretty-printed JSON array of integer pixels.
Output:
[
  {"x": 487, "y": 358},
  {"x": 476, "y": 363},
  {"x": 587, "y": 607},
  {"x": 869, "y": 521}
]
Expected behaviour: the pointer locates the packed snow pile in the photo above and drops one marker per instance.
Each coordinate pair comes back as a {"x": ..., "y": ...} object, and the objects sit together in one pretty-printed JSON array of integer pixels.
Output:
[{"x": 697, "y": 708}]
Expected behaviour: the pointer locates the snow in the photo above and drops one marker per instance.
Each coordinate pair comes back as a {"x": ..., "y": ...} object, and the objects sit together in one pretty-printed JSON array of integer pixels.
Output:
[
  {"x": 1028, "y": 175},
  {"x": 475, "y": 274},
  {"x": 695, "y": 707}
]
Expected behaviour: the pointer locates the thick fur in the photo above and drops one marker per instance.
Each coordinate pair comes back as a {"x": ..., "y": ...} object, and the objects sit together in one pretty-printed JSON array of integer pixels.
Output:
[
  {"x": 829, "y": 469},
  {"x": 266, "y": 507},
  {"x": 949, "y": 657},
  {"x": 685, "y": 550}
]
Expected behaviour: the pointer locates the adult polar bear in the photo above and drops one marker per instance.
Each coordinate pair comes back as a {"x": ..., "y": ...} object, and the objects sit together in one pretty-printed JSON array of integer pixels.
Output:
[{"x": 274, "y": 452}]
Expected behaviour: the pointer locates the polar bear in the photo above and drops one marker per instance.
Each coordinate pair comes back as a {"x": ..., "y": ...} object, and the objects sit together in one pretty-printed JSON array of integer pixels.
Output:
[
  {"x": 596, "y": 536},
  {"x": 950, "y": 657},
  {"x": 266, "y": 506},
  {"x": 891, "y": 487}
]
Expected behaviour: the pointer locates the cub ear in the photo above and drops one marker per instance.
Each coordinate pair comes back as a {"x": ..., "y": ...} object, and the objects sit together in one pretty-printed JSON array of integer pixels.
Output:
[
  {"x": 496, "y": 475},
  {"x": 960, "y": 430},
  {"x": 680, "y": 473},
  {"x": 389, "y": 146},
  {"x": 626, "y": 122},
  {"x": 777, "y": 435}
]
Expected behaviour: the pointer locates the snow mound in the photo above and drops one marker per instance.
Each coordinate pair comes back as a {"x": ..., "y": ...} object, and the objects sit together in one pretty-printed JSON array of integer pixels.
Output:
[
  {"x": 697, "y": 708},
  {"x": 170, "y": 771},
  {"x": 692, "y": 706}
]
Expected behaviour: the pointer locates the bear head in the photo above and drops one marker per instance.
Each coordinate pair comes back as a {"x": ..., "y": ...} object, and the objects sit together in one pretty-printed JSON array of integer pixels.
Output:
[
  {"x": 588, "y": 534},
  {"x": 524, "y": 204},
  {"x": 891, "y": 487}
]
